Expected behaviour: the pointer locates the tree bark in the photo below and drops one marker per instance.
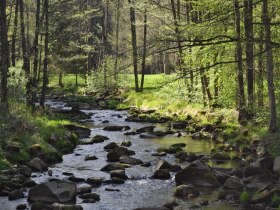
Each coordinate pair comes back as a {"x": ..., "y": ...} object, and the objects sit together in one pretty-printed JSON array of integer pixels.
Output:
[
  {"x": 238, "y": 57},
  {"x": 14, "y": 36},
  {"x": 26, "y": 56},
  {"x": 249, "y": 46},
  {"x": 134, "y": 43},
  {"x": 144, "y": 51},
  {"x": 117, "y": 41},
  {"x": 4, "y": 56},
  {"x": 45, "y": 67},
  {"x": 260, "y": 74},
  {"x": 270, "y": 69}
]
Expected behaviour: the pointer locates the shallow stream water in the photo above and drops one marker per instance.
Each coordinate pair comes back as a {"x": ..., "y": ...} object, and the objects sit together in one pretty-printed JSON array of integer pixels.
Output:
[{"x": 139, "y": 190}]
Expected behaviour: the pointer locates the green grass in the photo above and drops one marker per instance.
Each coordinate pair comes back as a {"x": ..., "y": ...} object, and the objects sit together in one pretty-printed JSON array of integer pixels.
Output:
[{"x": 25, "y": 128}]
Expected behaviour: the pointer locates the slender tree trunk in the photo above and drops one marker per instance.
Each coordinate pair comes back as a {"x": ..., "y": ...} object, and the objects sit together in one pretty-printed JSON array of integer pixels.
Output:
[
  {"x": 238, "y": 57},
  {"x": 134, "y": 43},
  {"x": 4, "y": 61},
  {"x": 248, "y": 26},
  {"x": 260, "y": 70},
  {"x": 270, "y": 68},
  {"x": 14, "y": 36},
  {"x": 117, "y": 41},
  {"x": 45, "y": 68},
  {"x": 26, "y": 56},
  {"x": 144, "y": 51},
  {"x": 36, "y": 52}
]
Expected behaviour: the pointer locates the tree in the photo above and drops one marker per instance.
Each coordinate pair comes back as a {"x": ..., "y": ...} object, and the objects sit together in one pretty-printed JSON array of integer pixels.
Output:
[
  {"x": 45, "y": 68},
  {"x": 4, "y": 56},
  {"x": 270, "y": 67}
]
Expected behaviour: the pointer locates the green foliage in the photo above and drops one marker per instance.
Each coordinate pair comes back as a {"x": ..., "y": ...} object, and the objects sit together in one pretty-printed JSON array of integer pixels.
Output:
[{"x": 244, "y": 197}]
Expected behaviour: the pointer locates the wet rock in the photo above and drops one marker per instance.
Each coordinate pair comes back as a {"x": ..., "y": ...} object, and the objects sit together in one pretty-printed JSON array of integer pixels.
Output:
[
  {"x": 57, "y": 206},
  {"x": 81, "y": 132},
  {"x": 147, "y": 164},
  {"x": 118, "y": 174},
  {"x": 220, "y": 156},
  {"x": 98, "y": 139},
  {"x": 204, "y": 203},
  {"x": 197, "y": 136},
  {"x": 53, "y": 192},
  {"x": 94, "y": 181},
  {"x": 229, "y": 195},
  {"x": 37, "y": 164},
  {"x": 132, "y": 133},
  {"x": 130, "y": 160},
  {"x": 21, "y": 207},
  {"x": 105, "y": 121},
  {"x": 50, "y": 172},
  {"x": 93, "y": 196},
  {"x": 112, "y": 190},
  {"x": 16, "y": 194},
  {"x": 179, "y": 125},
  {"x": 257, "y": 187},
  {"x": 276, "y": 165},
  {"x": 83, "y": 190},
  {"x": 200, "y": 165},
  {"x": 126, "y": 143},
  {"x": 146, "y": 129},
  {"x": 76, "y": 179},
  {"x": 12, "y": 149},
  {"x": 163, "y": 164},
  {"x": 159, "y": 154},
  {"x": 115, "y": 154},
  {"x": 175, "y": 168},
  {"x": 67, "y": 174},
  {"x": 26, "y": 171},
  {"x": 4, "y": 192},
  {"x": 197, "y": 177},
  {"x": 183, "y": 191},
  {"x": 171, "y": 205},
  {"x": 111, "y": 146},
  {"x": 234, "y": 183},
  {"x": 89, "y": 201},
  {"x": 152, "y": 208},
  {"x": 113, "y": 166},
  {"x": 88, "y": 157},
  {"x": 161, "y": 174},
  {"x": 179, "y": 145},
  {"x": 116, "y": 128},
  {"x": 40, "y": 206},
  {"x": 29, "y": 183},
  {"x": 116, "y": 180},
  {"x": 265, "y": 163}
]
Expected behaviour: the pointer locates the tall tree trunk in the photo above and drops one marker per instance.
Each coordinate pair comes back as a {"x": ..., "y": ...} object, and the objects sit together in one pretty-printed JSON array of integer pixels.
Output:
[
  {"x": 144, "y": 51},
  {"x": 4, "y": 56},
  {"x": 260, "y": 74},
  {"x": 14, "y": 36},
  {"x": 117, "y": 41},
  {"x": 238, "y": 57},
  {"x": 248, "y": 26},
  {"x": 45, "y": 68},
  {"x": 36, "y": 52},
  {"x": 134, "y": 43},
  {"x": 270, "y": 68},
  {"x": 26, "y": 56}
]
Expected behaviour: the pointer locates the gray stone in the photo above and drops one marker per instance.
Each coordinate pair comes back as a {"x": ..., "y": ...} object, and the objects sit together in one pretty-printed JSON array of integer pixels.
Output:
[
  {"x": 183, "y": 191},
  {"x": 38, "y": 165},
  {"x": 53, "y": 192},
  {"x": 130, "y": 160},
  {"x": 57, "y": 206},
  {"x": 276, "y": 165}
]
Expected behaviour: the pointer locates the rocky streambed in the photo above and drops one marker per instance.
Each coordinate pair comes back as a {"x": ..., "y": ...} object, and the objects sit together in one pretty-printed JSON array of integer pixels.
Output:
[{"x": 121, "y": 164}]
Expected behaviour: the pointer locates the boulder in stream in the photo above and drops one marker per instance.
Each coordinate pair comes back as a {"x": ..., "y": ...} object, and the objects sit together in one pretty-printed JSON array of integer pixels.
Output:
[
  {"x": 111, "y": 146},
  {"x": 57, "y": 206},
  {"x": 183, "y": 191},
  {"x": 146, "y": 129},
  {"x": 163, "y": 164},
  {"x": 161, "y": 174},
  {"x": 98, "y": 139},
  {"x": 80, "y": 131},
  {"x": 197, "y": 176},
  {"x": 114, "y": 166},
  {"x": 130, "y": 160},
  {"x": 116, "y": 128},
  {"x": 118, "y": 174},
  {"x": 53, "y": 192},
  {"x": 37, "y": 164},
  {"x": 115, "y": 154}
]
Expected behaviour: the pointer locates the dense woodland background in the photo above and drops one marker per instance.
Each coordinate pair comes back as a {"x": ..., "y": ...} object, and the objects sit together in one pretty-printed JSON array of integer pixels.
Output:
[{"x": 222, "y": 54}]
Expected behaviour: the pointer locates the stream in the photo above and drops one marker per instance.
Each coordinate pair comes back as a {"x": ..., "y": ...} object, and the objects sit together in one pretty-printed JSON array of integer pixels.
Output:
[{"x": 139, "y": 190}]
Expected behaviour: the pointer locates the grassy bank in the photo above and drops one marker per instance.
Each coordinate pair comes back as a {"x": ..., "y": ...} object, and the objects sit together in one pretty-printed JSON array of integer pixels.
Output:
[
  {"x": 26, "y": 133},
  {"x": 169, "y": 97}
]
